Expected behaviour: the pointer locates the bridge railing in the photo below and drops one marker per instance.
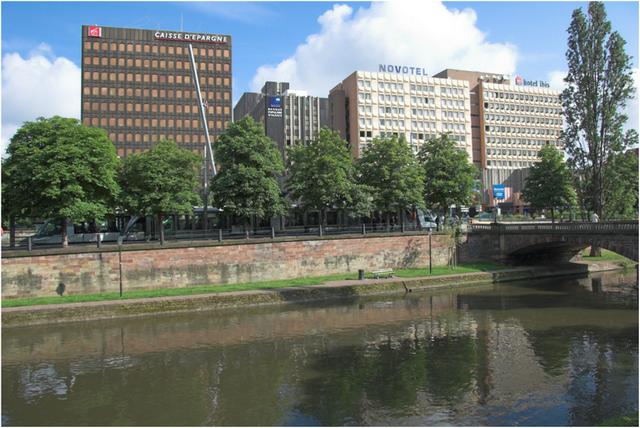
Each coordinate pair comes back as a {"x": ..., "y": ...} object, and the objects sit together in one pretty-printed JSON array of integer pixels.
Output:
[{"x": 617, "y": 227}]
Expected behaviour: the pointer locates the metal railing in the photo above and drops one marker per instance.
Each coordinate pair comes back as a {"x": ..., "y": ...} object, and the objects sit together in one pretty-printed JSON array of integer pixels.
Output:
[
  {"x": 90, "y": 242},
  {"x": 614, "y": 227}
]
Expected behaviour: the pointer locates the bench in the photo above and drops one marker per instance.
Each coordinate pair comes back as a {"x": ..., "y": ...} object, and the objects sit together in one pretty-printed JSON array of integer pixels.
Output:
[{"x": 385, "y": 273}]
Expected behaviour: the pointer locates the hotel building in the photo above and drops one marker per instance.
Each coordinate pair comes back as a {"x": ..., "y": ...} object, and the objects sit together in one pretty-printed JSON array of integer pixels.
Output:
[
  {"x": 516, "y": 121},
  {"x": 137, "y": 85},
  {"x": 366, "y": 105},
  {"x": 289, "y": 116}
]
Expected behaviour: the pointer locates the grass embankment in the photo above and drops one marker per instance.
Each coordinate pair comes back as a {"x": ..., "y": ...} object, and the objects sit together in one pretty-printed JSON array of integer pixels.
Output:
[
  {"x": 204, "y": 289},
  {"x": 608, "y": 256},
  {"x": 621, "y": 421}
]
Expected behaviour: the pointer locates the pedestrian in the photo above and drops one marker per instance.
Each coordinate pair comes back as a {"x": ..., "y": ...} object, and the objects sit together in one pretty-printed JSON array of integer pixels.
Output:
[{"x": 595, "y": 218}]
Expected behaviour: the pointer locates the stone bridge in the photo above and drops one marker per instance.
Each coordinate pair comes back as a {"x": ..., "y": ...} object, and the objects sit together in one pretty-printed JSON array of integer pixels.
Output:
[{"x": 547, "y": 242}]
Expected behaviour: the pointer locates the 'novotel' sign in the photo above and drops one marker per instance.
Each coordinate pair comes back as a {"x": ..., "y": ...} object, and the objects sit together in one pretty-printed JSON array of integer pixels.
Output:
[
  {"x": 401, "y": 69},
  {"x": 523, "y": 82},
  {"x": 190, "y": 37}
]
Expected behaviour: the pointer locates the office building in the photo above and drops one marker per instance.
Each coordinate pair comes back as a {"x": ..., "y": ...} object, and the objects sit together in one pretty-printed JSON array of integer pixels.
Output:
[
  {"x": 516, "y": 121},
  {"x": 366, "y": 105},
  {"x": 289, "y": 117},
  {"x": 137, "y": 85}
]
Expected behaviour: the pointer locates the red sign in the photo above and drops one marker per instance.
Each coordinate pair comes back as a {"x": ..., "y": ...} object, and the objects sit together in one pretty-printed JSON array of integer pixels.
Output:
[
  {"x": 95, "y": 31},
  {"x": 519, "y": 80}
]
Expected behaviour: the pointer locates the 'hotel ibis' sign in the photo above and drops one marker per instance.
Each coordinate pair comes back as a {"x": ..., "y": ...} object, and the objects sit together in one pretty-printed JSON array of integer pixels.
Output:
[{"x": 523, "y": 82}]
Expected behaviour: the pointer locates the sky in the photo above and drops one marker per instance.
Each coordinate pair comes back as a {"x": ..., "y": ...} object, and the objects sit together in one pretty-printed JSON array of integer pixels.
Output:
[{"x": 313, "y": 45}]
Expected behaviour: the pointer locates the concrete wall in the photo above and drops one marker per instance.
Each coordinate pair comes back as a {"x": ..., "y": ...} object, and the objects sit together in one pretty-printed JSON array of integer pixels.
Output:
[{"x": 217, "y": 264}]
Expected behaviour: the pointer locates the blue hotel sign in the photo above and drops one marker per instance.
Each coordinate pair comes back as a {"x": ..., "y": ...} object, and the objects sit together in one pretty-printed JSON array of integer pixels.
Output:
[
  {"x": 498, "y": 191},
  {"x": 401, "y": 69}
]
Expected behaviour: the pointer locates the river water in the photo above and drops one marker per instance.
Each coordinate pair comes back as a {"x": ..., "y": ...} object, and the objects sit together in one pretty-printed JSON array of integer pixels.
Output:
[{"x": 545, "y": 352}]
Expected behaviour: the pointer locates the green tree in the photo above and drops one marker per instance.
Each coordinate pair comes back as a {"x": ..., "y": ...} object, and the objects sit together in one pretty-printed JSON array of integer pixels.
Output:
[
  {"x": 160, "y": 181},
  {"x": 392, "y": 172},
  {"x": 599, "y": 84},
  {"x": 250, "y": 163},
  {"x": 58, "y": 168},
  {"x": 449, "y": 177},
  {"x": 322, "y": 175},
  {"x": 549, "y": 183},
  {"x": 622, "y": 185}
]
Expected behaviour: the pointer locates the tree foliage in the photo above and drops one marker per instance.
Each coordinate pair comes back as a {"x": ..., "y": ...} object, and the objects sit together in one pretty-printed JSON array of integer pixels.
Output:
[
  {"x": 449, "y": 176},
  {"x": 396, "y": 179},
  {"x": 58, "y": 168},
  {"x": 250, "y": 163},
  {"x": 622, "y": 185},
  {"x": 549, "y": 183},
  {"x": 322, "y": 175},
  {"x": 160, "y": 181},
  {"x": 599, "y": 84}
]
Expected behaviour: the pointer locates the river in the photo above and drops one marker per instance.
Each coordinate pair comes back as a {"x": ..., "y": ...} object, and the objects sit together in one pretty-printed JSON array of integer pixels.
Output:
[{"x": 561, "y": 351}]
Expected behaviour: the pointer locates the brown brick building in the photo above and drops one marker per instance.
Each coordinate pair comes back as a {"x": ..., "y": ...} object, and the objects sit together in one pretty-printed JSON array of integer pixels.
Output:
[{"x": 137, "y": 85}]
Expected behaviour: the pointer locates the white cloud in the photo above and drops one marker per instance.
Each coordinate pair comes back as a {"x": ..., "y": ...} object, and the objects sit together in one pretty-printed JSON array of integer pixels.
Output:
[
  {"x": 426, "y": 34},
  {"x": 40, "y": 85},
  {"x": 556, "y": 79}
]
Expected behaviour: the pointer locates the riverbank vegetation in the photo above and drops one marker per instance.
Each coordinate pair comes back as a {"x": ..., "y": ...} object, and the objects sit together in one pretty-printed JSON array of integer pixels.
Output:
[
  {"x": 263, "y": 285},
  {"x": 607, "y": 256}
]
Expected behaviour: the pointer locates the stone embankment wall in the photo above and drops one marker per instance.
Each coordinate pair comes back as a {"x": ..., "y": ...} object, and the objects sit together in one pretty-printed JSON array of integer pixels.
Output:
[{"x": 226, "y": 263}]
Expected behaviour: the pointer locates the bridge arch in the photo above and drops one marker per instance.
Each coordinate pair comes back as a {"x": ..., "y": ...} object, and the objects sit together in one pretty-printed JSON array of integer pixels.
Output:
[{"x": 546, "y": 243}]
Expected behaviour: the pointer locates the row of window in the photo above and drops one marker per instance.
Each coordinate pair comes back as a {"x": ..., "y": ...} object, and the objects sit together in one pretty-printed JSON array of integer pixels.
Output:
[
  {"x": 511, "y": 152},
  {"x": 103, "y": 108},
  {"x": 122, "y": 138},
  {"x": 154, "y": 49},
  {"x": 524, "y": 108},
  {"x": 522, "y": 97},
  {"x": 523, "y": 119},
  {"x": 516, "y": 141},
  {"x": 153, "y": 64},
  {"x": 401, "y": 87},
  {"x": 172, "y": 79},
  {"x": 145, "y": 123},
  {"x": 171, "y": 94},
  {"x": 517, "y": 130},
  {"x": 512, "y": 164}
]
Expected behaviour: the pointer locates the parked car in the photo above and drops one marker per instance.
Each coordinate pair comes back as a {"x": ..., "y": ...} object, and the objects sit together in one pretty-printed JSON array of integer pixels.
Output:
[{"x": 484, "y": 217}]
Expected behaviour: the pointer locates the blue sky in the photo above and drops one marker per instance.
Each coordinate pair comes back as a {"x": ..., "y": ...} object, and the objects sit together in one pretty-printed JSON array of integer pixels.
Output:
[{"x": 527, "y": 38}]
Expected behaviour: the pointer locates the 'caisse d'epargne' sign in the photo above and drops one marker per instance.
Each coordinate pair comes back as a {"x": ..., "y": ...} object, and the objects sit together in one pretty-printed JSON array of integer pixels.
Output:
[{"x": 190, "y": 37}]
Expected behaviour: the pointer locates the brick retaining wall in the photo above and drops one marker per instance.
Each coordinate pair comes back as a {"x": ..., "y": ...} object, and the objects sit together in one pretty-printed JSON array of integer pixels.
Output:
[{"x": 216, "y": 264}]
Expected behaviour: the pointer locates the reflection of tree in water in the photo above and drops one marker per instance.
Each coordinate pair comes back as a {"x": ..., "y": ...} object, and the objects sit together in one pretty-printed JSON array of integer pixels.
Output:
[
  {"x": 388, "y": 375},
  {"x": 552, "y": 348},
  {"x": 604, "y": 382},
  {"x": 451, "y": 363}
]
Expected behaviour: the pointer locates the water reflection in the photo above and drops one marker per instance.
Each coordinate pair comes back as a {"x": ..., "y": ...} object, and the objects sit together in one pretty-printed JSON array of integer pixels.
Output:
[{"x": 552, "y": 352}]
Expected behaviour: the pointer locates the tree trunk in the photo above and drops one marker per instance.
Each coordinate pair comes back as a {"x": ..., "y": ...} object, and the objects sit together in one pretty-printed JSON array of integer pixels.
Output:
[
  {"x": 595, "y": 251},
  {"x": 388, "y": 222},
  {"x": 65, "y": 238},
  {"x": 160, "y": 219},
  {"x": 12, "y": 231},
  {"x": 247, "y": 225},
  {"x": 553, "y": 216}
]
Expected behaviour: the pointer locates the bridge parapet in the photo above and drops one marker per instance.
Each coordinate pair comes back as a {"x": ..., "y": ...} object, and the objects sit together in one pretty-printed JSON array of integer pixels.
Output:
[{"x": 580, "y": 228}]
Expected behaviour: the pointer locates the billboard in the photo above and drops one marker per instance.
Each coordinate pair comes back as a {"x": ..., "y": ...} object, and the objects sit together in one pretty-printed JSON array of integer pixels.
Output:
[
  {"x": 274, "y": 107},
  {"x": 498, "y": 191},
  {"x": 95, "y": 31}
]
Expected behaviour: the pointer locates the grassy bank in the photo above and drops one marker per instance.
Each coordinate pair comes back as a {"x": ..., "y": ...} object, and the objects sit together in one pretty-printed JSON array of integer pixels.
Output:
[
  {"x": 608, "y": 256},
  {"x": 621, "y": 421},
  {"x": 203, "y": 289}
]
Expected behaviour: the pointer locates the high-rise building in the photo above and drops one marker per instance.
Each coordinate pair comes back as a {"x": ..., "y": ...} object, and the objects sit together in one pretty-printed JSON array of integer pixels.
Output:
[
  {"x": 366, "y": 105},
  {"x": 137, "y": 85},
  {"x": 289, "y": 116},
  {"x": 474, "y": 78},
  {"x": 516, "y": 121}
]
